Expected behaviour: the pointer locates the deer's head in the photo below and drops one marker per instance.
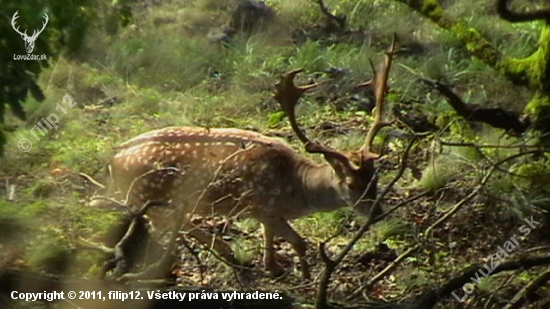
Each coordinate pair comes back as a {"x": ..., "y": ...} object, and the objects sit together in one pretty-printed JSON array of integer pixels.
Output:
[
  {"x": 355, "y": 170},
  {"x": 29, "y": 40}
]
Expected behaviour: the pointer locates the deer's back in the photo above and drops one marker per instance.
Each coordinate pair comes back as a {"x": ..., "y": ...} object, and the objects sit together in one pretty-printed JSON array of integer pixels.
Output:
[{"x": 223, "y": 171}]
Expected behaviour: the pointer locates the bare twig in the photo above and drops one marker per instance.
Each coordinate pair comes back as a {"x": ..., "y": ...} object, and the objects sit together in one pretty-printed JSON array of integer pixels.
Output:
[
  {"x": 330, "y": 265},
  {"x": 429, "y": 230},
  {"x": 340, "y": 20},
  {"x": 504, "y": 283},
  {"x": 127, "y": 199},
  {"x": 92, "y": 180}
]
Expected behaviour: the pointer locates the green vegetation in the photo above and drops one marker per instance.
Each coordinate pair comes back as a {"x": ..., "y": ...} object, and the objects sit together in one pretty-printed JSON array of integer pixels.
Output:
[{"x": 532, "y": 71}]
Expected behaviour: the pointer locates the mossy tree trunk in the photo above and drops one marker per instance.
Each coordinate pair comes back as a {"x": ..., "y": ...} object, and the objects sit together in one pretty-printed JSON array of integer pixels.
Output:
[{"x": 532, "y": 71}]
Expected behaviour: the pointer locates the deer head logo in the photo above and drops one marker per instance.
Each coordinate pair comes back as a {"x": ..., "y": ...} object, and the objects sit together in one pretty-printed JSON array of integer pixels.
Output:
[{"x": 29, "y": 40}]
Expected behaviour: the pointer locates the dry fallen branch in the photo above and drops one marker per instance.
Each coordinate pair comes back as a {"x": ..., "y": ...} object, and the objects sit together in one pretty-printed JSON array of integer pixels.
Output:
[
  {"x": 119, "y": 261},
  {"x": 431, "y": 298},
  {"x": 518, "y": 300}
]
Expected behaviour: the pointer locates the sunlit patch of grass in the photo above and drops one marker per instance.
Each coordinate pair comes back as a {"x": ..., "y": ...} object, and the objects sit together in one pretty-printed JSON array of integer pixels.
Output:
[
  {"x": 239, "y": 109},
  {"x": 348, "y": 142},
  {"x": 140, "y": 100},
  {"x": 456, "y": 162},
  {"x": 245, "y": 250},
  {"x": 391, "y": 227},
  {"x": 437, "y": 174},
  {"x": 323, "y": 225},
  {"x": 247, "y": 225},
  {"x": 174, "y": 64},
  {"x": 252, "y": 62}
]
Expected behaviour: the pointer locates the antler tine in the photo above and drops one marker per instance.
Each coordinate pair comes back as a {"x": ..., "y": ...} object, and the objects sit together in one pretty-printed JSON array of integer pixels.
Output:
[
  {"x": 14, "y": 23},
  {"x": 379, "y": 82},
  {"x": 288, "y": 95},
  {"x": 44, "y": 23}
]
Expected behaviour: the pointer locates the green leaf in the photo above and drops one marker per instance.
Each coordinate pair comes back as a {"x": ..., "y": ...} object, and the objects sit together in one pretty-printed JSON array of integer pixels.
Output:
[{"x": 275, "y": 118}]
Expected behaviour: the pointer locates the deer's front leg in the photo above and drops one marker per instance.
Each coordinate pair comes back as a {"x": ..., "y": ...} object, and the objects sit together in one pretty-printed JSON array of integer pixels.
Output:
[{"x": 281, "y": 227}]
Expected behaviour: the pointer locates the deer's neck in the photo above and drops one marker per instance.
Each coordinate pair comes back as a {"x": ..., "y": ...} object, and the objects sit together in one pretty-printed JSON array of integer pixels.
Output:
[{"x": 323, "y": 190}]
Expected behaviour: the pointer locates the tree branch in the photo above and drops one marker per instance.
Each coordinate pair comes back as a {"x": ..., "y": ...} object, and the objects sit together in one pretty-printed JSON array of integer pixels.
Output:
[
  {"x": 331, "y": 265},
  {"x": 530, "y": 288},
  {"x": 431, "y": 298},
  {"x": 515, "y": 69},
  {"x": 495, "y": 117},
  {"x": 514, "y": 17},
  {"x": 340, "y": 20}
]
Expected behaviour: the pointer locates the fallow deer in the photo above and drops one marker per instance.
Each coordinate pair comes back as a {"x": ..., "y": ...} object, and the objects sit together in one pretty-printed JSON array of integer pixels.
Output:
[{"x": 238, "y": 172}]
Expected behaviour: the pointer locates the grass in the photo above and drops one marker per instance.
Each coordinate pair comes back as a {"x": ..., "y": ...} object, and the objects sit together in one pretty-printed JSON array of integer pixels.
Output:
[{"x": 445, "y": 169}]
